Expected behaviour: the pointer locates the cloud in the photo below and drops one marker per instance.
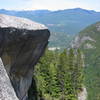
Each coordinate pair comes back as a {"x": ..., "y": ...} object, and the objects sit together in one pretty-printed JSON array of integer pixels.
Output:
[{"x": 49, "y": 4}]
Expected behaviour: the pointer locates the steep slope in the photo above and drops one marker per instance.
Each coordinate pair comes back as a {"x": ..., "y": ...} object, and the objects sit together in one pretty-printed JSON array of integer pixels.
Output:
[
  {"x": 62, "y": 23},
  {"x": 89, "y": 41},
  {"x": 22, "y": 43},
  {"x": 6, "y": 90}
]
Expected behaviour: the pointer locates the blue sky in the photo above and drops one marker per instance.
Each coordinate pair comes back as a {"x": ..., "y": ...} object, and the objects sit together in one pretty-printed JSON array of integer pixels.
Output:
[{"x": 49, "y": 4}]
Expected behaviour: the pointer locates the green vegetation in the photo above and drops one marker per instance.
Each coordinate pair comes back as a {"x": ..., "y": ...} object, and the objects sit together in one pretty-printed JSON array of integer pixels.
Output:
[
  {"x": 59, "y": 76},
  {"x": 60, "y": 39},
  {"x": 92, "y": 61}
]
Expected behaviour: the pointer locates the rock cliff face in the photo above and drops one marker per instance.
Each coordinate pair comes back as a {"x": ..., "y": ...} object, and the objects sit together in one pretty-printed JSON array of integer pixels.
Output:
[
  {"x": 6, "y": 90},
  {"x": 22, "y": 43},
  {"x": 83, "y": 94}
]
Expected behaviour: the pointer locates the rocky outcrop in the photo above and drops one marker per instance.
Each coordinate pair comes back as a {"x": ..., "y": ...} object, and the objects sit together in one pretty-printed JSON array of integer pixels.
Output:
[
  {"x": 6, "y": 90},
  {"x": 22, "y": 43},
  {"x": 83, "y": 94},
  {"x": 78, "y": 41}
]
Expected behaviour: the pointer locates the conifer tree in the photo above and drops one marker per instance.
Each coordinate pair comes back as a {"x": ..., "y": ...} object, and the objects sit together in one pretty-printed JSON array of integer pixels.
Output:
[
  {"x": 60, "y": 75},
  {"x": 80, "y": 66},
  {"x": 71, "y": 59}
]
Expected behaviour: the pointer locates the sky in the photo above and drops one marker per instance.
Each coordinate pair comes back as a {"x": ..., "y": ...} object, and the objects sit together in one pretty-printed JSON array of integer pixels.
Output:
[{"x": 49, "y": 4}]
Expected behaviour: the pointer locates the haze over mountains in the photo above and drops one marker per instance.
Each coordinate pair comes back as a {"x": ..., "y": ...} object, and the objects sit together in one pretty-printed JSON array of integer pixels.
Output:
[{"x": 63, "y": 24}]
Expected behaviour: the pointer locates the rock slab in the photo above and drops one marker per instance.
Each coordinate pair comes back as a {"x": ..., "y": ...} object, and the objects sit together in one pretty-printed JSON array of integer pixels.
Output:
[
  {"x": 6, "y": 90},
  {"x": 83, "y": 94},
  {"x": 22, "y": 43}
]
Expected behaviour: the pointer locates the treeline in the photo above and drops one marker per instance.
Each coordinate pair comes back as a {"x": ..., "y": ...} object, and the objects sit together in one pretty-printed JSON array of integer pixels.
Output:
[{"x": 59, "y": 76}]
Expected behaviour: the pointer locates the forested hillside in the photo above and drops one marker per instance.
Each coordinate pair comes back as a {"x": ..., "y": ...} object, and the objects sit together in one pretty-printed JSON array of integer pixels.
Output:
[
  {"x": 59, "y": 76},
  {"x": 89, "y": 42}
]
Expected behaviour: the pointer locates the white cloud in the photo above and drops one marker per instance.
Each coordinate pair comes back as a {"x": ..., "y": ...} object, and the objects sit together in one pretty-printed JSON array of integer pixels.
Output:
[{"x": 49, "y": 4}]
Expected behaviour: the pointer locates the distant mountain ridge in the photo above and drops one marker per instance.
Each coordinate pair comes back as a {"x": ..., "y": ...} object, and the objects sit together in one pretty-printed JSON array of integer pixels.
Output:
[
  {"x": 70, "y": 21},
  {"x": 63, "y": 24}
]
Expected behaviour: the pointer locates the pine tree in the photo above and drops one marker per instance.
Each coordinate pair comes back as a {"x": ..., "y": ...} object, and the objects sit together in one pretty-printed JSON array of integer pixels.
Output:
[
  {"x": 71, "y": 62},
  {"x": 54, "y": 82},
  {"x": 80, "y": 67},
  {"x": 60, "y": 75}
]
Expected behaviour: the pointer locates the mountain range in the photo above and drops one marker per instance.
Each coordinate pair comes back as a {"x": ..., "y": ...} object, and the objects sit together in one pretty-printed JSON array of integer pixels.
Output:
[{"x": 63, "y": 24}]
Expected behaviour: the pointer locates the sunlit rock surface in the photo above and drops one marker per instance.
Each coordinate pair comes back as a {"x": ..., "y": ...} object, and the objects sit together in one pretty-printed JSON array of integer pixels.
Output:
[{"x": 6, "y": 90}]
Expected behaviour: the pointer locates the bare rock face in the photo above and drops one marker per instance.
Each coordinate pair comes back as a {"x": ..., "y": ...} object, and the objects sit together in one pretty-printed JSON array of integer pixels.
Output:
[
  {"x": 83, "y": 94},
  {"x": 80, "y": 40},
  {"x": 6, "y": 90},
  {"x": 22, "y": 43}
]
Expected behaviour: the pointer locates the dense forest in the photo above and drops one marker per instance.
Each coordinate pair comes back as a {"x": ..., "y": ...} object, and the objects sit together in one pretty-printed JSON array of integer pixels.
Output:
[
  {"x": 91, "y": 49},
  {"x": 59, "y": 75}
]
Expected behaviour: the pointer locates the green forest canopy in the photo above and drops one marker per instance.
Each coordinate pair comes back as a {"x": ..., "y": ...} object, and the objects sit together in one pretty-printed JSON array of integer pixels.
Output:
[{"x": 59, "y": 75}]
